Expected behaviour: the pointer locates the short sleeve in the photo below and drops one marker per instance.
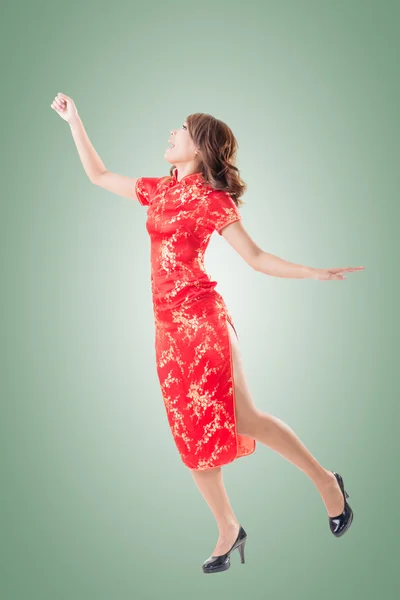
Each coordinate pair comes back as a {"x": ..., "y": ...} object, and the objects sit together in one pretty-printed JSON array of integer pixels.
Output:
[
  {"x": 146, "y": 188},
  {"x": 222, "y": 211}
]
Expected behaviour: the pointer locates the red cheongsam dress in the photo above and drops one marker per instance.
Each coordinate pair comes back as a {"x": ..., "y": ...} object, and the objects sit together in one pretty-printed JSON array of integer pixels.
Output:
[{"x": 192, "y": 343}]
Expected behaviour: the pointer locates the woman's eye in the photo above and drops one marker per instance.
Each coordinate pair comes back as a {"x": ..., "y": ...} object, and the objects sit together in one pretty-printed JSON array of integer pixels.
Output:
[{"x": 184, "y": 126}]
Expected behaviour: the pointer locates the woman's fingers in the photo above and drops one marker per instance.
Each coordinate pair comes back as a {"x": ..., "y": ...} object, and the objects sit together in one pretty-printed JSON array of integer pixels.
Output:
[
  {"x": 345, "y": 269},
  {"x": 339, "y": 272},
  {"x": 348, "y": 269},
  {"x": 58, "y": 104}
]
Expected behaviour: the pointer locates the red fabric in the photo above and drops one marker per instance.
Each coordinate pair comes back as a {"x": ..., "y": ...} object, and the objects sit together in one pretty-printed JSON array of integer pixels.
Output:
[{"x": 192, "y": 343}]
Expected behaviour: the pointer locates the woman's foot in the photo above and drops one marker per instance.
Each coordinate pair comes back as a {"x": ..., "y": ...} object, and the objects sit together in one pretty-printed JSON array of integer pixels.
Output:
[
  {"x": 227, "y": 537},
  {"x": 332, "y": 495}
]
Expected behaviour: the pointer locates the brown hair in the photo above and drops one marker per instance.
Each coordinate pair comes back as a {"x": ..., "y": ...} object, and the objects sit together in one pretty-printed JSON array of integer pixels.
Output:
[{"x": 218, "y": 147}]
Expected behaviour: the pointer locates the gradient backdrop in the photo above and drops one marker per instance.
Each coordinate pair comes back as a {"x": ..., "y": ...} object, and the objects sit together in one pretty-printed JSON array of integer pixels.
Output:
[{"x": 96, "y": 503}]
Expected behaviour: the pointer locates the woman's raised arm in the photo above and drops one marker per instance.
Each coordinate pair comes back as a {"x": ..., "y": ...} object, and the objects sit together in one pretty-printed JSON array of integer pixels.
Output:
[
  {"x": 117, "y": 184},
  {"x": 91, "y": 161}
]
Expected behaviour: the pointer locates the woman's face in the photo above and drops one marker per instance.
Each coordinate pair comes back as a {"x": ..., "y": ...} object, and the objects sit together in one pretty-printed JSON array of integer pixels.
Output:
[{"x": 184, "y": 148}]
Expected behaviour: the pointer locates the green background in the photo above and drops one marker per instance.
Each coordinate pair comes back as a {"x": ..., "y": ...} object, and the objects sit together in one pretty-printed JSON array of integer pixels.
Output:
[{"x": 96, "y": 503}]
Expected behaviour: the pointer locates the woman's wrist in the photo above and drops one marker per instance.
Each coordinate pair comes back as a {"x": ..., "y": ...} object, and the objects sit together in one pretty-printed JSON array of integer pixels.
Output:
[
  {"x": 309, "y": 272},
  {"x": 74, "y": 121}
]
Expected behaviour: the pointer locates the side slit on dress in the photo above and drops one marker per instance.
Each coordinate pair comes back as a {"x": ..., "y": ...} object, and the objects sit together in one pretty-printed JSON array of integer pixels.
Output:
[{"x": 245, "y": 444}]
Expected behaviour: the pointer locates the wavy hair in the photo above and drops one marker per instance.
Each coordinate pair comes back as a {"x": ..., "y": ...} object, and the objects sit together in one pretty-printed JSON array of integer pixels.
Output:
[{"x": 218, "y": 147}]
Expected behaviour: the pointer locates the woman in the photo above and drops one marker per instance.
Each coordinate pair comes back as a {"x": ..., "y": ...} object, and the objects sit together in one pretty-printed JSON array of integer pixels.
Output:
[{"x": 208, "y": 403}]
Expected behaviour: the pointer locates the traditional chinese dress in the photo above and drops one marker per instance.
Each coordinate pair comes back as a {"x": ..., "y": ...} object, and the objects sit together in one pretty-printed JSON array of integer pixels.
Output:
[{"x": 192, "y": 343}]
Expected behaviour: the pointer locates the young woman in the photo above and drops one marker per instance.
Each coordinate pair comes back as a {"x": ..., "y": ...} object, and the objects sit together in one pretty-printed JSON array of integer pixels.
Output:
[{"x": 207, "y": 400}]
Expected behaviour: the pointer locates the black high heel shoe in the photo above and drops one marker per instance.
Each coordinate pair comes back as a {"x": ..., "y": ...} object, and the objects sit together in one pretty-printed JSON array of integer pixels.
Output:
[
  {"x": 340, "y": 524},
  {"x": 215, "y": 564}
]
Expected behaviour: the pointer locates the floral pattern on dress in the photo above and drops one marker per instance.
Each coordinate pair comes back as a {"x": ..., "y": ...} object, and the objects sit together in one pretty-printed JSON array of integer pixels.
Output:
[{"x": 192, "y": 343}]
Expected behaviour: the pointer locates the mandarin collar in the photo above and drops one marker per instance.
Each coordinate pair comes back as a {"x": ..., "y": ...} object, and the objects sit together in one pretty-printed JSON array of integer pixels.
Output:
[{"x": 187, "y": 179}]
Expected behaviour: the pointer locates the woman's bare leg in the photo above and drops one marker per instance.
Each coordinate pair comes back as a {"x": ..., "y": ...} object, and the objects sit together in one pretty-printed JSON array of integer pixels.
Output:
[
  {"x": 275, "y": 434},
  {"x": 278, "y": 436},
  {"x": 211, "y": 485}
]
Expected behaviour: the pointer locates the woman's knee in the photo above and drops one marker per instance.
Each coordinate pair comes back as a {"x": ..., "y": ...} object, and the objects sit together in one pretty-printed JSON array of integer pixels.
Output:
[{"x": 247, "y": 424}]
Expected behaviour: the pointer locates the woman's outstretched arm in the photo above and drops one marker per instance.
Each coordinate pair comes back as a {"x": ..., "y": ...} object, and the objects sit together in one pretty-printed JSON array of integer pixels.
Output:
[
  {"x": 91, "y": 161},
  {"x": 240, "y": 240}
]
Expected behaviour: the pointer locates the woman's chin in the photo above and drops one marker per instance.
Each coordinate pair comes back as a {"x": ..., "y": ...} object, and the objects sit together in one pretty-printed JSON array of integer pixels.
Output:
[{"x": 168, "y": 157}]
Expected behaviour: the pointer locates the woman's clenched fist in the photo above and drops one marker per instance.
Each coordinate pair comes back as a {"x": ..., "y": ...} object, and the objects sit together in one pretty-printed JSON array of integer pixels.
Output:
[{"x": 65, "y": 107}]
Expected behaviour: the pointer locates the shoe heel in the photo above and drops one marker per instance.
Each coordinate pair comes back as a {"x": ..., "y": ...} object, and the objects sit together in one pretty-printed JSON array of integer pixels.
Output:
[{"x": 241, "y": 551}]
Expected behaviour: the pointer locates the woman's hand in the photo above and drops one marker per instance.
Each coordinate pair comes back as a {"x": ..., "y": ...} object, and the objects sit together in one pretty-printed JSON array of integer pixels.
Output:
[
  {"x": 325, "y": 274},
  {"x": 65, "y": 107}
]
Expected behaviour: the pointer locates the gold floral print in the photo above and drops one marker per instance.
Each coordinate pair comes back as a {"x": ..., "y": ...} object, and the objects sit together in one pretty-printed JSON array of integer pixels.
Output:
[{"x": 192, "y": 342}]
